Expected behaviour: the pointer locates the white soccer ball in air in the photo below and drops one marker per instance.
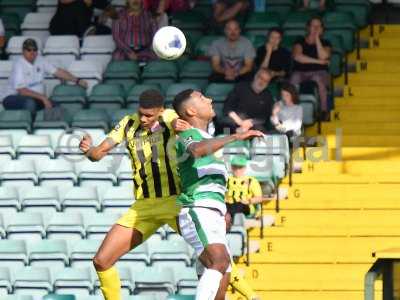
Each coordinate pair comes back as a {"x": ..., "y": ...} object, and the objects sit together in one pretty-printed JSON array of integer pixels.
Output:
[{"x": 169, "y": 43}]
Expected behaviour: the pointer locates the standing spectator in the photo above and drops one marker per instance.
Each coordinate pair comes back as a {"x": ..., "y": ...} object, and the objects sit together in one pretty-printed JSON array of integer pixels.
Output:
[
  {"x": 311, "y": 56},
  {"x": 272, "y": 56},
  {"x": 73, "y": 17},
  {"x": 225, "y": 10},
  {"x": 321, "y": 4},
  {"x": 2, "y": 36},
  {"x": 26, "y": 88},
  {"x": 249, "y": 105},
  {"x": 287, "y": 115},
  {"x": 133, "y": 33},
  {"x": 232, "y": 57}
]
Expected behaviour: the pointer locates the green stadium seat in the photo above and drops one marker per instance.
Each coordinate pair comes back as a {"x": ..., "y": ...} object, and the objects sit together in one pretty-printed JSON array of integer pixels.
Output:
[
  {"x": 19, "y": 7},
  {"x": 192, "y": 36},
  {"x": 27, "y": 226},
  {"x": 118, "y": 115},
  {"x": 41, "y": 123},
  {"x": 196, "y": 72},
  {"x": 15, "y": 172},
  {"x": 126, "y": 84},
  {"x": 161, "y": 72},
  {"x": 360, "y": 9},
  {"x": 122, "y": 70},
  {"x": 82, "y": 253},
  {"x": 188, "y": 20},
  {"x": 59, "y": 172},
  {"x": 260, "y": 23},
  {"x": 289, "y": 40},
  {"x": 127, "y": 285},
  {"x": 202, "y": 45},
  {"x": 134, "y": 94},
  {"x": 166, "y": 252},
  {"x": 181, "y": 297},
  {"x": 35, "y": 146},
  {"x": 237, "y": 148},
  {"x": 16, "y": 119},
  {"x": 52, "y": 254},
  {"x": 13, "y": 254},
  {"x": 282, "y": 8},
  {"x": 295, "y": 23},
  {"x": 256, "y": 39},
  {"x": 33, "y": 281},
  {"x": 97, "y": 174},
  {"x": 176, "y": 88},
  {"x": 151, "y": 280},
  {"x": 74, "y": 281},
  {"x": 40, "y": 199},
  {"x": 117, "y": 199},
  {"x": 342, "y": 24},
  {"x": 81, "y": 199},
  {"x": 98, "y": 224},
  {"x": 66, "y": 226},
  {"x": 69, "y": 96},
  {"x": 59, "y": 297},
  {"x": 218, "y": 91},
  {"x": 7, "y": 147},
  {"x": 91, "y": 118},
  {"x": 5, "y": 282},
  {"x": 107, "y": 96},
  {"x": 11, "y": 24},
  {"x": 9, "y": 200}
]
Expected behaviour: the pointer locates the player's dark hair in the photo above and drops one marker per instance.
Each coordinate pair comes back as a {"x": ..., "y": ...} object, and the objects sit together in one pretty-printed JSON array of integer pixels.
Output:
[
  {"x": 180, "y": 99},
  {"x": 151, "y": 99},
  {"x": 291, "y": 89}
]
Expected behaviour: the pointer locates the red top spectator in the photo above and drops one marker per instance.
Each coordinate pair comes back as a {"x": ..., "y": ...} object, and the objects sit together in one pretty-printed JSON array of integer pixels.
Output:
[{"x": 170, "y": 6}]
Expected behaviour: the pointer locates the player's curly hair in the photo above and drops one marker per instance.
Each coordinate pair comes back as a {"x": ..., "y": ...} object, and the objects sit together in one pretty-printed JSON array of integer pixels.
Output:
[
  {"x": 180, "y": 99},
  {"x": 151, "y": 99}
]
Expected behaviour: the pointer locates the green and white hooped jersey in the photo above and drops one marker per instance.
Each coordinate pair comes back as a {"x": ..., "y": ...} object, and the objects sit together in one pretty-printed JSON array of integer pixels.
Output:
[{"x": 204, "y": 178}]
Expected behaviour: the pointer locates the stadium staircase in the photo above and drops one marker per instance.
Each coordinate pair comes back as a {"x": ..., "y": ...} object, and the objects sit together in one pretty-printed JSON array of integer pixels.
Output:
[{"x": 344, "y": 207}]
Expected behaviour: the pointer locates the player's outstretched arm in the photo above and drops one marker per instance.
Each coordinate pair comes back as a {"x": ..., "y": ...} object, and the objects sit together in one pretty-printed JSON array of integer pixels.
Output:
[
  {"x": 207, "y": 147},
  {"x": 98, "y": 152}
]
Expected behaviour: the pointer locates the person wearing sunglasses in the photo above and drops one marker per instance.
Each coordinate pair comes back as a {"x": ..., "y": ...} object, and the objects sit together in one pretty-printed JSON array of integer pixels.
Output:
[{"x": 26, "y": 89}]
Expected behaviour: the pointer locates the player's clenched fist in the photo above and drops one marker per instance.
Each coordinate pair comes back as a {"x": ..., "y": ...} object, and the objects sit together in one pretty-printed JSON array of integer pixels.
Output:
[{"x": 86, "y": 143}]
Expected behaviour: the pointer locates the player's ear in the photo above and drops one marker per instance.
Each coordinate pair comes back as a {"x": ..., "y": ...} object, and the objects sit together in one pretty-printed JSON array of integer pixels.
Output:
[{"x": 190, "y": 111}]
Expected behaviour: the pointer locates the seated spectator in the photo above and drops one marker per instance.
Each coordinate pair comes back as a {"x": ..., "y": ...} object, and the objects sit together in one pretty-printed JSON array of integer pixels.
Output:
[
  {"x": 232, "y": 57},
  {"x": 133, "y": 33},
  {"x": 162, "y": 8},
  {"x": 2, "y": 36},
  {"x": 321, "y": 5},
  {"x": 26, "y": 88},
  {"x": 243, "y": 192},
  {"x": 225, "y": 10},
  {"x": 311, "y": 56},
  {"x": 73, "y": 17},
  {"x": 287, "y": 115},
  {"x": 272, "y": 56},
  {"x": 249, "y": 105}
]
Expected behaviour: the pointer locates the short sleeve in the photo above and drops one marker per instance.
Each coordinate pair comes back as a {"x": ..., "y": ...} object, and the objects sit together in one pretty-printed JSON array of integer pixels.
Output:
[
  {"x": 249, "y": 51},
  {"x": 188, "y": 137},
  {"x": 117, "y": 134},
  {"x": 48, "y": 67},
  {"x": 214, "y": 49},
  {"x": 169, "y": 115},
  {"x": 2, "y": 30},
  {"x": 255, "y": 188}
]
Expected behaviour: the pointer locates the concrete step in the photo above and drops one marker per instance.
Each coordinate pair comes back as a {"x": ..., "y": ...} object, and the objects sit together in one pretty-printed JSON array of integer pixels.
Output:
[{"x": 363, "y": 91}]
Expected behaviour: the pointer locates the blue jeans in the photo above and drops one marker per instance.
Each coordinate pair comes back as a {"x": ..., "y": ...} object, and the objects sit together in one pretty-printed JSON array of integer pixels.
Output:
[{"x": 14, "y": 102}]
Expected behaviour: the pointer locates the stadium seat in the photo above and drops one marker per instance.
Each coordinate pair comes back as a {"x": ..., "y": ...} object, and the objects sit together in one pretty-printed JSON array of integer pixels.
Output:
[
  {"x": 5, "y": 72},
  {"x": 69, "y": 96},
  {"x": 47, "y": 6},
  {"x": 12, "y": 23},
  {"x": 218, "y": 91},
  {"x": 256, "y": 39},
  {"x": 237, "y": 148},
  {"x": 98, "y": 48},
  {"x": 166, "y": 252},
  {"x": 68, "y": 146},
  {"x": 138, "y": 259},
  {"x": 33, "y": 281},
  {"x": 295, "y": 23},
  {"x": 66, "y": 226},
  {"x": 16, "y": 119},
  {"x": 122, "y": 70},
  {"x": 18, "y": 297},
  {"x": 202, "y": 45},
  {"x": 267, "y": 168},
  {"x": 98, "y": 224},
  {"x": 196, "y": 72},
  {"x": 124, "y": 172},
  {"x": 6, "y": 146},
  {"x": 74, "y": 281},
  {"x": 99, "y": 174},
  {"x": 40, "y": 199},
  {"x": 276, "y": 144},
  {"x": 186, "y": 280},
  {"x": 21, "y": 7},
  {"x": 13, "y": 254},
  {"x": 59, "y": 297},
  {"x": 117, "y": 199},
  {"x": 107, "y": 96},
  {"x": 91, "y": 71},
  {"x": 9, "y": 202},
  {"x": 160, "y": 71},
  {"x": 118, "y": 114},
  {"x": 26, "y": 226},
  {"x": 261, "y": 22},
  {"x": 81, "y": 199},
  {"x": 176, "y": 88},
  {"x": 14, "y": 46},
  {"x": 142, "y": 297},
  {"x": 155, "y": 280},
  {"x": 127, "y": 285},
  {"x": 91, "y": 118},
  {"x": 94, "y": 297},
  {"x": 62, "y": 50},
  {"x": 359, "y": 9},
  {"x": 181, "y": 297},
  {"x": 16, "y": 172},
  {"x": 82, "y": 253},
  {"x": 5, "y": 282},
  {"x": 37, "y": 24},
  {"x": 309, "y": 113},
  {"x": 188, "y": 20},
  {"x": 52, "y": 254},
  {"x": 236, "y": 240},
  {"x": 134, "y": 94},
  {"x": 342, "y": 24},
  {"x": 57, "y": 172},
  {"x": 33, "y": 146}
]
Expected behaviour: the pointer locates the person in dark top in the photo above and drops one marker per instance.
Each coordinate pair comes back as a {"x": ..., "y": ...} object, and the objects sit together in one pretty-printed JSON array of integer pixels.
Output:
[
  {"x": 272, "y": 56},
  {"x": 311, "y": 56},
  {"x": 249, "y": 105}
]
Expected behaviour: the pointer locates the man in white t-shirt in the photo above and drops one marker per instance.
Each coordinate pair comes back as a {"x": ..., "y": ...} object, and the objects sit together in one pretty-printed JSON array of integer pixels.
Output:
[{"x": 26, "y": 88}]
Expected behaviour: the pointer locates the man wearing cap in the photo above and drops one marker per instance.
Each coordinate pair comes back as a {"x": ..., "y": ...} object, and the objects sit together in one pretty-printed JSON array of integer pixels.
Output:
[
  {"x": 26, "y": 88},
  {"x": 243, "y": 192}
]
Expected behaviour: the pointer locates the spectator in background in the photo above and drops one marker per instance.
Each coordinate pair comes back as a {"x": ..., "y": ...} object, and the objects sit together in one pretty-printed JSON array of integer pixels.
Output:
[
  {"x": 133, "y": 32},
  {"x": 225, "y": 10},
  {"x": 232, "y": 57},
  {"x": 2, "y": 36},
  {"x": 249, "y": 105},
  {"x": 311, "y": 56},
  {"x": 321, "y": 4},
  {"x": 287, "y": 115},
  {"x": 26, "y": 88},
  {"x": 272, "y": 56},
  {"x": 162, "y": 8},
  {"x": 73, "y": 17}
]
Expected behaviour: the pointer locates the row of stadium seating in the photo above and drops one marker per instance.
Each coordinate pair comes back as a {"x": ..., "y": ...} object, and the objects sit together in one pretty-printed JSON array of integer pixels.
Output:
[{"x": 147, "y": 296}]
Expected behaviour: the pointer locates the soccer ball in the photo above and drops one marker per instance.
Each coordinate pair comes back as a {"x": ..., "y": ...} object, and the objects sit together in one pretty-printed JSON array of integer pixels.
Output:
[{"x": 169, "y": 43}]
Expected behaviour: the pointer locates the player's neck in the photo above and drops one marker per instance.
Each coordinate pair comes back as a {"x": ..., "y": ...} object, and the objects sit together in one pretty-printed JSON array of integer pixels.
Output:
[{"x": 198, "y": 123}]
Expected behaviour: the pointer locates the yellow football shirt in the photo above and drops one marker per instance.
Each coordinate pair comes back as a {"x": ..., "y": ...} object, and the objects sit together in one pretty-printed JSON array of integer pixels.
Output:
[{"x": 242, "y": 189}]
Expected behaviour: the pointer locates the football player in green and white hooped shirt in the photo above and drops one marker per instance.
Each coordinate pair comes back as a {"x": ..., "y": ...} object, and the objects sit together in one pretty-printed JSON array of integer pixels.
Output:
[{"x": 203, "y": 178}]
